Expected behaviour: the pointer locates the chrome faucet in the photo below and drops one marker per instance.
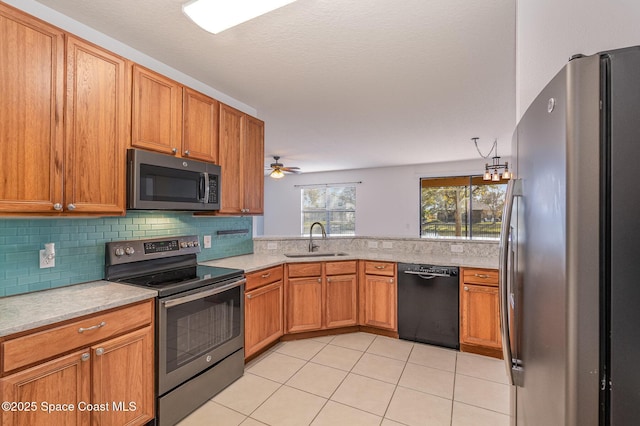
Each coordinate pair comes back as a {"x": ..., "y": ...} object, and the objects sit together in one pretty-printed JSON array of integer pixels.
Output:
[{"x": 313, "y": 247}]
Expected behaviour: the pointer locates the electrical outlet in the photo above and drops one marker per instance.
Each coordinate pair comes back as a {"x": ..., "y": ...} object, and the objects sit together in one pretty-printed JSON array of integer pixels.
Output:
[
  {"x": 207, "y": 241},
  {"x": 387, "y": 244},
  {"x": 373, "y": 244},
  {"x": 457, "y": 248},
  {"x": 272, "y": 246}
]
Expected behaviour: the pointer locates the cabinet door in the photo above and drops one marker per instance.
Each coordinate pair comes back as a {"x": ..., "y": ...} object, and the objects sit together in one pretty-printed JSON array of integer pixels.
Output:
[
  {"x": 123, "y": 378},
  {"x": 31, "y": 113},
  {"x": 96, "y": 131},
  {"x": 304, "y": 304},
  {"x": 156, "y": 117},
  {"x": 480, "y": 316},
  {"x": 341, "y": 301},
  {"x": 263, "y": 313},
  {"x": 253, "y": 166},
  {"x": 64, "y": 380},
  {"x": 200, "y": 126},
  {"x": 230, "y": 160},
  {"x": 380, "y": 302}
]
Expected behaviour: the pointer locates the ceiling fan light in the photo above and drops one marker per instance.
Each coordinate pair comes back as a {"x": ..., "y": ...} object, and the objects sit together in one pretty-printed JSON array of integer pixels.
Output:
[
  {"x": 495, "y": 177},
  {"x": 216, "y": 16},
  {"x": 277, "y": 174}
]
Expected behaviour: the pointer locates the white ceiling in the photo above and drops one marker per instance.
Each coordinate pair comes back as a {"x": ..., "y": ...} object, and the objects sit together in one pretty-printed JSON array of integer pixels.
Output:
[{"x": 344, "y": 84}]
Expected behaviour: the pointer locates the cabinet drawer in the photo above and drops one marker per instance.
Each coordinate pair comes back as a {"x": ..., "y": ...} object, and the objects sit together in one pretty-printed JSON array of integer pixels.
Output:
[
  {"x": 263, "y": 277},
  {"x": 304, "y": 269},
  {"x": 32, "y": 348},
  {"x": 340, "y": 268},
  {"x": 480, "y": 276},
  {"x": 380, "y": 268}
]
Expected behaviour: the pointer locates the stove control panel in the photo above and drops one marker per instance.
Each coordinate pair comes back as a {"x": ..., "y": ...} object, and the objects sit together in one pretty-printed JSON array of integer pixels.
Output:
[{"x": 118, "y": 252}]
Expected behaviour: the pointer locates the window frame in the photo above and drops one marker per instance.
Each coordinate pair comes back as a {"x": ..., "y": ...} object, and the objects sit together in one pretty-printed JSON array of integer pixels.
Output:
[
  {"x": 469, "y": 181},
  {"x": 326, "y": 222}
]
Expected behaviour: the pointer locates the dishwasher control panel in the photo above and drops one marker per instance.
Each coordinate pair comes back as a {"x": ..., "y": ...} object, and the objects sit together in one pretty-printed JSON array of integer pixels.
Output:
[{"x": 441, "y": 271}]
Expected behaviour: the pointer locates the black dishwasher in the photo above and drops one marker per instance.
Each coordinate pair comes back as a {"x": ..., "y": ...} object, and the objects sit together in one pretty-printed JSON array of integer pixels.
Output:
[{"x": 429, "y": 304}]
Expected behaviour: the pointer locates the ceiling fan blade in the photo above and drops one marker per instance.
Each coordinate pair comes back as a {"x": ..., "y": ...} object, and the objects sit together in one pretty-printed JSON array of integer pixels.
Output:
[{"x": 290, "y": 169}]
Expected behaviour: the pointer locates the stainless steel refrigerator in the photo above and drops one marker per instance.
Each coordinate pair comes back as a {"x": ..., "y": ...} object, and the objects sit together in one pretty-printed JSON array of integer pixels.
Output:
[{"x": 570, "y": 248}]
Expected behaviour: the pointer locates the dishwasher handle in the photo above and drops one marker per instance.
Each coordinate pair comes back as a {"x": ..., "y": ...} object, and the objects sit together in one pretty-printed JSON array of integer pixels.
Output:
[{"x": 429, "y": 275}]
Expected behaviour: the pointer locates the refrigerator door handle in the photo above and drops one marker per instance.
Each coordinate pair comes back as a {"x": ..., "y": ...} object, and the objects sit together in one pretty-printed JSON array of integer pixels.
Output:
[{"x": 514, "y": 189}]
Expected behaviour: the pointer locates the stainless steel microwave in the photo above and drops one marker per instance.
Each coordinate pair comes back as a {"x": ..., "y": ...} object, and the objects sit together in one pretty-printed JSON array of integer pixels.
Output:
[{"x": 163, "y": 182}]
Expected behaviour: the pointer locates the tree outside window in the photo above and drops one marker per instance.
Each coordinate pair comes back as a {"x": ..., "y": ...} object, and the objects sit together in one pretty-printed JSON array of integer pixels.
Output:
[
  {"x": 461, "y": 207},
  {"x": 333, "y": 206}
]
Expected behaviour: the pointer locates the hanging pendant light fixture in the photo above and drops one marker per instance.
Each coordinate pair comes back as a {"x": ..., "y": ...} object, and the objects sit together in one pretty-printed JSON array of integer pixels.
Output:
[{"x": 492, "y": 171}]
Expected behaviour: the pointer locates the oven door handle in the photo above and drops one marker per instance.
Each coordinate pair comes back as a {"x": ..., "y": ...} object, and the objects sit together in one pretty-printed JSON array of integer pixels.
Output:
[{"x": 202, "y": 294}]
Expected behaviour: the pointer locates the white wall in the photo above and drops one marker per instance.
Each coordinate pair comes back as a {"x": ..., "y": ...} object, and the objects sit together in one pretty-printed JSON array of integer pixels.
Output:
[
  {"x": 387, "y": 200},
  {"x": 81, "y": 30},
  {"x": 550, "y": 31}
]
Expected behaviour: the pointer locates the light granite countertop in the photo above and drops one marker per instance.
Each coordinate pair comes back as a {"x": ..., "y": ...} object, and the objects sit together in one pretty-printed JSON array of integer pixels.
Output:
[
  {"x": 31, "y": 310},
  {"x": 254, "y": 262}
]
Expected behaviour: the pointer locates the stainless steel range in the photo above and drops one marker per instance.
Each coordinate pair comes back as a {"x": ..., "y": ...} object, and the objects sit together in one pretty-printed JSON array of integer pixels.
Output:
[{"x": 199, "y": 319}]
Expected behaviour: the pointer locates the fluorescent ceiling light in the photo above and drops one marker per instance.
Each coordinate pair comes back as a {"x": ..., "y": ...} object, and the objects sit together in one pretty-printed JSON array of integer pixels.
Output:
[{"x": 218, "y": 15}]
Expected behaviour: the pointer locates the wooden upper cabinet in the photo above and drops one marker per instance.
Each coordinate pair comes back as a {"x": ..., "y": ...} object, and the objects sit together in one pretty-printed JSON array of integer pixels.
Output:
[
  {"x": 156, "y": 116},
  {"x": 253, "y": 166},
  {"x": 241, "y": 150},
  {"x": 200, "y": 126},
  {"x": 96, "y": 131},
  {"x": 31, "y": 113},
  {"x": 230, "y": 160}
]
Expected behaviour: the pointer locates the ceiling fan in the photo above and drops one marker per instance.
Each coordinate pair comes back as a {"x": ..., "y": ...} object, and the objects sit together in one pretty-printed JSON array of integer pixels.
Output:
[{"x": 278, "y": 169}]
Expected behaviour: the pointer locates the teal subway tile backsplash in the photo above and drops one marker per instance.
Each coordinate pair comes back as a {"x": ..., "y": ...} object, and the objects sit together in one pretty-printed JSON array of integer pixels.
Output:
[{"x": 80, "y": 244}]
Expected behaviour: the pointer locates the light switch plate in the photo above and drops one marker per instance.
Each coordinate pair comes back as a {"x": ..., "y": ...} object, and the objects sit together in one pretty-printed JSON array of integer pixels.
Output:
[{"x": 207, "y": 241}]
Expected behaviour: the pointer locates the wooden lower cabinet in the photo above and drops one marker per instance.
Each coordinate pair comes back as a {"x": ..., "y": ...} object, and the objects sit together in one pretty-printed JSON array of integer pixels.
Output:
[
  {"x": 264, "y": 321},
  {"x": 480, "y": 312},
  {"x": 122, "y": 379},
  {"x": 304, "y": 304},
  {"x": 64, "y": 380},
  {"x": 321, "y": 295},
  {"x": 379, "y": 295},
  {"x": 341, "y": 301},
  {"x": 108, "y": 382}
]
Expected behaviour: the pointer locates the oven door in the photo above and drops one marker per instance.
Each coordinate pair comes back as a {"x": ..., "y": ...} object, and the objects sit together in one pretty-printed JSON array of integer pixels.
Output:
[{"x": 197, "y": 329}]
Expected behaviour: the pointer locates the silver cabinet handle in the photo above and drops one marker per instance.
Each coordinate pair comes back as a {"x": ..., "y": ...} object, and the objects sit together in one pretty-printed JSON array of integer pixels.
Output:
[
  {"x": 466, "y": 288},
  {"x": 85, "y": 357},
  {"x": 93, "y": 327},
  {"x": 481, "y": 275},
  {"x": 99, "y": 351},
  {"x": 71, "y": 206},
  {"x": 57, "y": 206},
  {"x": 249, "y": 296},
  {"x": 380, "y": 266},
  {"x": 328, "y": 280},
  {"x": 267, "y": 275},
  {"x": 187, "y": 152},
  {"x": 319, "y": 280},
  {"x": 174, "y": 151}
]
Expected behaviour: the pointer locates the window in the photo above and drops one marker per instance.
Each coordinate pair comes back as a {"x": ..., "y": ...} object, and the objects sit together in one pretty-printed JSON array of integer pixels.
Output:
[
  {"x": 461, "y": 207},
  {"x": 333, "y": 206}
]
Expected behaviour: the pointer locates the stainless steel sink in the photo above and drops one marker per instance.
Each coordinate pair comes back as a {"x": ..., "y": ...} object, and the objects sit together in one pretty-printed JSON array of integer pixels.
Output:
[{"x": 316, "y": 254}]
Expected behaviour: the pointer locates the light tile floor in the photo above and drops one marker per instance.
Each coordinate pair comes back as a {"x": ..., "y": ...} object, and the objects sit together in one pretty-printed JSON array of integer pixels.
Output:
[{"x": 362, "y": 379}]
